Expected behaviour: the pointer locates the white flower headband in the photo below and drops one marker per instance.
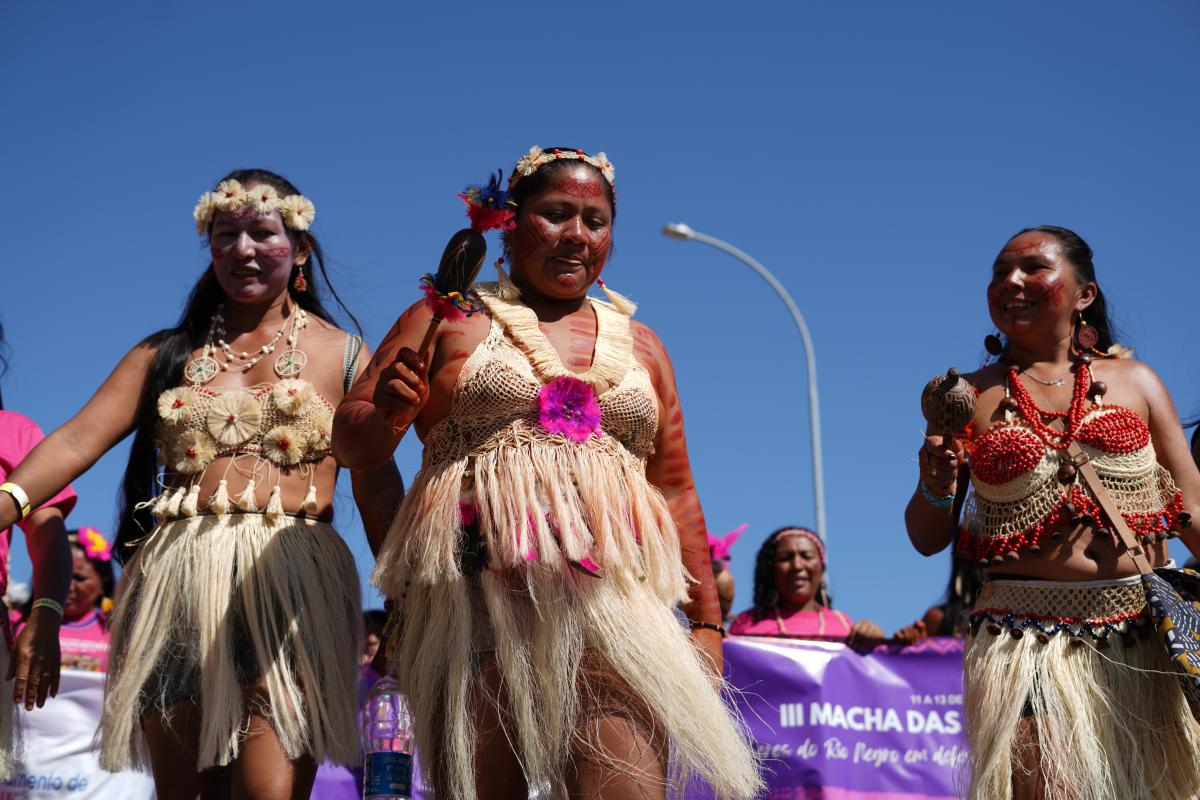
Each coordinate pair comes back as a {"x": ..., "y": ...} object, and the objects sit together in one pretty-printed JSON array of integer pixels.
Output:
[
  {"x": 537, "y": 157},
  {"x": 297, "y": 211}
]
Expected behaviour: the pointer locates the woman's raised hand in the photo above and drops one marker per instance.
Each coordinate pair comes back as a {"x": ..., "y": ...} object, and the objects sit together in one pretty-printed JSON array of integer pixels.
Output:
[
  {"x": 939, "y": 459},
  {"x": 402, "y": 390}
]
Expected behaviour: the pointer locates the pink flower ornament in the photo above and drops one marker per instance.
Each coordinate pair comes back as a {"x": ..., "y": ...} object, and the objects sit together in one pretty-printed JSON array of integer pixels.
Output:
[
  {"x": 94, "y": 544},
  {"x": 567, "y": 406}
]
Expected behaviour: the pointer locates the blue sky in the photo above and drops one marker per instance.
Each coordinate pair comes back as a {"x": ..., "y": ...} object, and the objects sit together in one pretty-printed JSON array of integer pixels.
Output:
[{"x": 875, "y": 156}]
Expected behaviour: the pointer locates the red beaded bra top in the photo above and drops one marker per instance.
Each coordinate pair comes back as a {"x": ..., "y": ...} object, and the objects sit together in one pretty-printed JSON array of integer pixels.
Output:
[{"x": 1024, "y": 491}]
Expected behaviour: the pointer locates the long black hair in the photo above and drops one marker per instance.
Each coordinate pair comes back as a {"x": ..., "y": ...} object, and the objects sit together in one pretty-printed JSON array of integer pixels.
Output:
[
  {"x": 174, "y": 345},
  {"x": 962, "y": 589},
  {"x": 1079, "y": 254},
  {"x": 766, "y": 597}
]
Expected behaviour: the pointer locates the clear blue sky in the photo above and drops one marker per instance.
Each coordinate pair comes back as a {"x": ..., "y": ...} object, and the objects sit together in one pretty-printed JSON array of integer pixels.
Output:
[{"x": 874, "y": 155}]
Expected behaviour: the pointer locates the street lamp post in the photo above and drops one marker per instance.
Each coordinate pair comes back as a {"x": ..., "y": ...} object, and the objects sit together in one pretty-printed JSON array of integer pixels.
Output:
[{"x": 678, "y": 230}]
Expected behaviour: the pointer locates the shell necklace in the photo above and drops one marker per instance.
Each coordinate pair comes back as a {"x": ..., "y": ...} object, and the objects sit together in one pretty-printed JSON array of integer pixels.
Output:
[
  {"x": 783, "y": 631},
  {"x": 203, "y": 369}
]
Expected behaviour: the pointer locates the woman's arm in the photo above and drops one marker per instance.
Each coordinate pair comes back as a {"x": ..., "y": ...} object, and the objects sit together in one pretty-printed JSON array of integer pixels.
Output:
[
  {"x": 388, "y": 395},
  {"x": 1171, "y": 446},
  {"x": 68, "y": 452},
  {"x": 34, "y": 667},
  {"x": 670, "y": 471},
  {"x": 942, "y": 468},
  {"x": 378, "y": 490}
]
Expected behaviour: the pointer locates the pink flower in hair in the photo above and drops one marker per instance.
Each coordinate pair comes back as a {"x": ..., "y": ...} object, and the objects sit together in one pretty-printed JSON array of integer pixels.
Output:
[
  {"x": 94, "y": 544},
  {"x": 568, "y": 406}
]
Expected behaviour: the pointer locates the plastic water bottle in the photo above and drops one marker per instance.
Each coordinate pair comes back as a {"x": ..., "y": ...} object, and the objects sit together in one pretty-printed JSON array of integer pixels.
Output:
[{"x": 387, "y": 743}]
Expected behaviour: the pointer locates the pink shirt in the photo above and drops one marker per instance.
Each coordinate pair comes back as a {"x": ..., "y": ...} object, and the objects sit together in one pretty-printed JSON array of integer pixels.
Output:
[
  {"x": 822, "y": 622},
  {"x": 18, "y": 435},
  {"x": 84, "y": 643}
]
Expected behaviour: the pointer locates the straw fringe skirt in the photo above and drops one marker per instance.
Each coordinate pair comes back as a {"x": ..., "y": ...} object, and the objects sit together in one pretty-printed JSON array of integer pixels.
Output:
[
  {"x": 571, "y": 650},
  {"x": 1070, "y": 681},
  {"x": 212, "y": 605}
]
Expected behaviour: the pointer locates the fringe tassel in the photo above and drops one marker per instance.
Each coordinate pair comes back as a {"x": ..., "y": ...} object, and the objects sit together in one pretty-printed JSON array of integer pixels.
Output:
[
  {"x": 159, "y": 509},
  {"x": 309, "y": 506},
  {"x": 505, "y": 288},
  {"x": 293, "y": 584},
  {"x": 191, "y": 503},
  {"x": 619, "y": 301},
  {"x": 562, "y": 645},
  {"x": 219, "y": 503},
  {"x": 274, "y": 504},
  {"x": 245, "y": 500},
  {"x": 1110, "y": 724},
  {"x": 175, "y": 502}
]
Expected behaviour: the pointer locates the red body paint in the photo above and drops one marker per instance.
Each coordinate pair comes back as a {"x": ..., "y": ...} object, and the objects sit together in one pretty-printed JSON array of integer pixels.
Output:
[{"x": 278, "y": 252}]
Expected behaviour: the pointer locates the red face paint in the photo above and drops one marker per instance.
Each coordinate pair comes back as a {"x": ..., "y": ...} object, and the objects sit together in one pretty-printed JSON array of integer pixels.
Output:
[
  {"x": 1049, "y": 288},
  {"x": 580, "y": 185},
  {"x": 532, "y": 232},
  {"x": 278, "y": 252}
]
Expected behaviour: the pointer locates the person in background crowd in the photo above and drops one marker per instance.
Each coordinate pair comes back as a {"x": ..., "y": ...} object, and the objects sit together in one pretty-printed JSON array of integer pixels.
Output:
[
  {"x": 1062, "y": 697},
  {"x": 233, "y": 658},
  {"x": 950, "y": 617},
  {"x": 84, "y": 633},
  {"x": 791, "y": 595},
  {"x": 719, "y": 549},
  {"x": 374, "y": 622},
  {"x": 31, "y": 660}
]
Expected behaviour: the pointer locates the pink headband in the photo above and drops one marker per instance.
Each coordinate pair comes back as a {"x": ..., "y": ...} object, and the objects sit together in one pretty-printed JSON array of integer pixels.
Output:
[{"x": 805, "y": 532}]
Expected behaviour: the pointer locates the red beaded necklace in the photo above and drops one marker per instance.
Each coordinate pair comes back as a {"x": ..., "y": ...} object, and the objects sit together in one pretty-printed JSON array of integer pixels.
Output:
[{"x": 1036, "y": 417}]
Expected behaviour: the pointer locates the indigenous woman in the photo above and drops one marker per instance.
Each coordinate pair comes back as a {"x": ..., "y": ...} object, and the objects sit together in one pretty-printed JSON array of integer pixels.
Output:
[
  {"x": 1068, "y": 692},
  {"x": 232, "y": 664},
  {"x": 553, "y": 528},
  {"x": 791, "y": 595},
  {"x": 31, "y": 659},
  {"x": 84, "y": 634}
]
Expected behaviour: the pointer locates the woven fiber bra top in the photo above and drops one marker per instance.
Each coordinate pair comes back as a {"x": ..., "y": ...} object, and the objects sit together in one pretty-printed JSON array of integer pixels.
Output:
[
  {"x": 495, "y": 401},
  {"x": 1022, "y": 494},
  {"x": 286, "y": 423},
  {"x": 537, "y": 467}
]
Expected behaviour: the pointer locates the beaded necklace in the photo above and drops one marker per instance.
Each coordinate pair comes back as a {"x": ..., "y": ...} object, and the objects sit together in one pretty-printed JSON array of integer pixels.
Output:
[{"x": 1036, "y": 417}]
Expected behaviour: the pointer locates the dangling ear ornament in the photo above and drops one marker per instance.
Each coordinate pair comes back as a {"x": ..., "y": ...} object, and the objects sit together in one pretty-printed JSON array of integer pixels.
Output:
[
  {"x": 1087, "y": 336},
  {"x": 620, "y": 302},
  {"x": 301, "y": 283},
  {"x": 993, "y": 345},
  {"x": 505, "y": 288}
]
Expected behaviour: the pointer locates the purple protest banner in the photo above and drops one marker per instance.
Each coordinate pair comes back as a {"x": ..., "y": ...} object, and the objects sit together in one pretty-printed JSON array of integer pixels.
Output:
[{"x": 831, "y": 724}]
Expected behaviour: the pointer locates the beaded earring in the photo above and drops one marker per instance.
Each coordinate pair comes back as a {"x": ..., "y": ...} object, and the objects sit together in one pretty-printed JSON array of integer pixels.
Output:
[
  {"x": 300, "y": 284},
  {"x": 1086, "y": 335},
  {"x": 993, "y": 345}
]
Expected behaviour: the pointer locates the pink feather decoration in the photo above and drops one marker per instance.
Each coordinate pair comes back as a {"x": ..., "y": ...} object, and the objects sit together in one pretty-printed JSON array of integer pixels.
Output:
[{"x": 719, "y": 545}]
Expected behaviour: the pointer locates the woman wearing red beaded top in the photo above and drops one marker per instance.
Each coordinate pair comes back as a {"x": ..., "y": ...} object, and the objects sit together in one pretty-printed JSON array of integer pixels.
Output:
[{"x": 1067, "y": 693}]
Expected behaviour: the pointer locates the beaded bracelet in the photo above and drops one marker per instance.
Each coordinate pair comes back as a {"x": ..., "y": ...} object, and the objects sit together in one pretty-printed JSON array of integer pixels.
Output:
[
  {"x": 46, "y": 602},
  {"x": 708, "y": 626},
  {"x": 19, "y": 497},
  {"x": 934, "y": 500}
]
